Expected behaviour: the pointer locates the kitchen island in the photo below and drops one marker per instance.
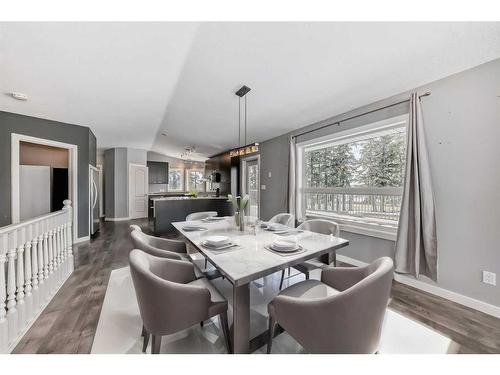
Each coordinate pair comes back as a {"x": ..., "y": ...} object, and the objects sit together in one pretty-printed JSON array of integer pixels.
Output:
[{"x": 171, "y": 209}]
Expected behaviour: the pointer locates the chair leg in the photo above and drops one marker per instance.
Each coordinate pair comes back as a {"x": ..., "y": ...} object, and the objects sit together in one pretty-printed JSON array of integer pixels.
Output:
[
  {"x": 282, "y": 278},
  {"x": 143, "y": 334},
  {"x": 272, "y": 327},
  {"x": 201, "y": 324},
  {"x": 145, "y": 342},
  {"x": 225, "y": 330},
  {"x": 206, "y": 263},
  {"x": 155, "y": 345},
  {"x": 307, "y": 275}
]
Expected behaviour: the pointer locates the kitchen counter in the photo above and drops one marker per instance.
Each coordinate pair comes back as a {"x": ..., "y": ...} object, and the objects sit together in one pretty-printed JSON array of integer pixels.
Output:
[
  {"x": 168, "y": 210},
  {"x": 183, "y": 198}
]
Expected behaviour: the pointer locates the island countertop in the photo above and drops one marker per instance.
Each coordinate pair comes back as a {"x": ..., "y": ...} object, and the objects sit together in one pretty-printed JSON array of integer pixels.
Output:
[
  {"x": 183, "y": 198},
  {"x": 171, "y": 209}
]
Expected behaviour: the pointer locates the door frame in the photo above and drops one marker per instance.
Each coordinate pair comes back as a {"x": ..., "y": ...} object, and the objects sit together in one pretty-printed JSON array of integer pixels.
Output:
[
  {"x": 243, "y": 177},
  {"x": 16, "y": 140},
  {"x": 130, "y": 165}
]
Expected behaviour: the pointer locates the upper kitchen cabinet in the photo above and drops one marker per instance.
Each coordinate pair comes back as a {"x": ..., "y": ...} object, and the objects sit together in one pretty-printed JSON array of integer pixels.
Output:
[{"x": 158, "y": 172}]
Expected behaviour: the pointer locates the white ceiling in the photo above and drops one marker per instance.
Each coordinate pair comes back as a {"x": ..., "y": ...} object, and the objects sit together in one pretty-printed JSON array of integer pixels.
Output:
[{"x": 130, "y": 82}]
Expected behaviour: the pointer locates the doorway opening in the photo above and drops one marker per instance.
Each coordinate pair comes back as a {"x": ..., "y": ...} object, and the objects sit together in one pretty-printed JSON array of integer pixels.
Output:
[
  {"x": 250, "y": 183},
  {"x": 43, "y": 174}
]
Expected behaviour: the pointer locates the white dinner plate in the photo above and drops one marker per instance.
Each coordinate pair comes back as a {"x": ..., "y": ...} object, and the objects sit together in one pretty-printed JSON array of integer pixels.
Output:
[
  {"x": 217, "y": 240},
  {"x": 274, "y": 227},
  {"x": 220, "y": 247},
  {"x": 192, "y": 228},
  {"x": 212, "y": 218},
  {"x": 285, "y": 250}
]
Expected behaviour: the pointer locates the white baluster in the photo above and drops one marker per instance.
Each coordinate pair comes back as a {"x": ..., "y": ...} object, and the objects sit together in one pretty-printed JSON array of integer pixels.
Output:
[
  {"x": 51, "y": 256},
  {"x": 60, "y": 249},
  {"x": 34, "y": 268},
  {"x": 69, "y": 220},
  {"x": 56, "y": 253},
  {"x": 4, "y": 328},
  {"x": 41, "y": 264},
  {"x": 46, "y": 271},
  {"x": 11, "y": 286},
  {"x": 21, "y": 308},
  {"x": 64, "y": 248},
  {"x": 27, "y": 274}
]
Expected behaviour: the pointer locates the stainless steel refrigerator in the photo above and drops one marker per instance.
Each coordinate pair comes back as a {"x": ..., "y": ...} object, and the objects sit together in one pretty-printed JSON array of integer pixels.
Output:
[{"x": 94, "y": 199}]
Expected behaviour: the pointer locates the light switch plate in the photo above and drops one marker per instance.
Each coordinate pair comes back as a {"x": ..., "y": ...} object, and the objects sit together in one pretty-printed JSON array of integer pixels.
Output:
[
  {"x": 262, "y": 187},
  {"x": 489, "y": 278},
  {"x": 269, "y": 174}
]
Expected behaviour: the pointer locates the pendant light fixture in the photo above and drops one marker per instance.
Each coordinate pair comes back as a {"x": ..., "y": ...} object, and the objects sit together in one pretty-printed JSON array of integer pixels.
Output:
[{"x": 245, "y": 148}]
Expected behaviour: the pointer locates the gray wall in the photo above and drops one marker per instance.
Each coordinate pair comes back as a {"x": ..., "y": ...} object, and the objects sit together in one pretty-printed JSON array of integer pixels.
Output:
[
  {"x": 462, "y": 122},
  {"x": 116, "y": 175},
  {"x": 109, "y": 182},
  {"x": 56, "y": 131}
]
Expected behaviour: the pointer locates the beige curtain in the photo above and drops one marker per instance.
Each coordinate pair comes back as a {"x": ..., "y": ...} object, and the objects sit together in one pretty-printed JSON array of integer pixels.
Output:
[{"x": 416, "y": 245}]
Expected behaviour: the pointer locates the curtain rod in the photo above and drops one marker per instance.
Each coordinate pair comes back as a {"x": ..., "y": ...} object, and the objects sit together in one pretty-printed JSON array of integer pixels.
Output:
[{"x": 356, "y": 116}]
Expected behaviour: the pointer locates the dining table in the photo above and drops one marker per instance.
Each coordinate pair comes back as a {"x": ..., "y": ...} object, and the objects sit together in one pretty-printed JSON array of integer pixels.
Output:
[{"x": 250, "y": 259}]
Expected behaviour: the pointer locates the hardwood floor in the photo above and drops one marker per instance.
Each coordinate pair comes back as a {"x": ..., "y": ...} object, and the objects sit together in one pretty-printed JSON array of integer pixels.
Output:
[{"x": 69, "y": 322}]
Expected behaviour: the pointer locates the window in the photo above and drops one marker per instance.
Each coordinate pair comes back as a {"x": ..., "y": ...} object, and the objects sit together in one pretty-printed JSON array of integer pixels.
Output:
[
  {"x": 175, "y": 179},
  {"x": 195, "y": 180},
  {"x": 355, "y": 176}
]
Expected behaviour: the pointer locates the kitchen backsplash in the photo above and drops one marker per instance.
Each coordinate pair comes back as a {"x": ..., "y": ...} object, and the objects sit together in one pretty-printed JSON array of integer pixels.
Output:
[{"x": 157, "y": 188}]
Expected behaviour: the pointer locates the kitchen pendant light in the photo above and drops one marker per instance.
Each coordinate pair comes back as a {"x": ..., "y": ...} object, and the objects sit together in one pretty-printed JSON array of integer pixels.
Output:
[{"x": 246, "y": 148}]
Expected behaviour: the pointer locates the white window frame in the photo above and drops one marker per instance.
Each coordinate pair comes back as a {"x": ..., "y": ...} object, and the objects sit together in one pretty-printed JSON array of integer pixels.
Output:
[
  {"x": 374, "y": 227},
  {"x": 186, "y": 179},
  {"x": 183, "y": 181}
]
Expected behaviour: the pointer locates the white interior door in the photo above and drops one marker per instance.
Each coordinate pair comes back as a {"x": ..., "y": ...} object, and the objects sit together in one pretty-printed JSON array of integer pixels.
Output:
[{"x": 138, "y": 191}]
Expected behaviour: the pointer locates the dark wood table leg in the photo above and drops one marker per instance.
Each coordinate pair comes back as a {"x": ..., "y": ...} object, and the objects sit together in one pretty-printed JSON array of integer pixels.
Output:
[{"x": 330, "y": 258}]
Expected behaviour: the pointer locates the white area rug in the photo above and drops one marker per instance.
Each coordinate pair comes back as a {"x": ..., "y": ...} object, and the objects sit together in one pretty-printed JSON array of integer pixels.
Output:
[{"x": 119, "y": 327}]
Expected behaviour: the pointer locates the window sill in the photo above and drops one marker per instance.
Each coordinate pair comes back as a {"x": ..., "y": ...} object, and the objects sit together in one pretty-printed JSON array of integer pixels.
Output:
[{"x": 366, "y": 229}]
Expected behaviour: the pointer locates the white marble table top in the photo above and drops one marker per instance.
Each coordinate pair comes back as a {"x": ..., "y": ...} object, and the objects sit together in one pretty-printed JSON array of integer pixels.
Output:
[{"x": 251, "y": 260}]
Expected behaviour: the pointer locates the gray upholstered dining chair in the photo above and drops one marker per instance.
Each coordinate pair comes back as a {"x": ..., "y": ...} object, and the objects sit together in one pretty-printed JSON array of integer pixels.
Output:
[
  {"x": 171, "y": 298},
  {"x": 342, "y": 313},
  {"x": 284, "y": 218},
  {"x": 200, "y": 215},
  {"x": 160, "y": 247},
  {"x": 319, "y": 226}
]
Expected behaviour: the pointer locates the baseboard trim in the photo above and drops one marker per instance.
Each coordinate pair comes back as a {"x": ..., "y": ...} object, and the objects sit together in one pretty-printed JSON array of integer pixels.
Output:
[
  {"x": 82, "y": 239},
  {"x": 435, "y": 290},
  {"x": 116, "y": 218}
]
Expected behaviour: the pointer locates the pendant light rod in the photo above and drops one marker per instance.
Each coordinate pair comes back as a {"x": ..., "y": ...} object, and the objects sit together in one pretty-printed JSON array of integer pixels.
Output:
[
  {"x": 241, "y": 92},
  {"x": 239, "y": 121},
  {"x": 245, "y": 119}
]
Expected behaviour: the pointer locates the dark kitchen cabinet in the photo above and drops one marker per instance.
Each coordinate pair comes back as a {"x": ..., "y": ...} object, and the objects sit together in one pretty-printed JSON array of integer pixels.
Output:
[{"x": 158, "y": 172}]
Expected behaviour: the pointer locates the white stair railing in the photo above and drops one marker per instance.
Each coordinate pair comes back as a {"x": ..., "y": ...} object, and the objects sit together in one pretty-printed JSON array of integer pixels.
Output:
[{"x": 36, "y": 258}]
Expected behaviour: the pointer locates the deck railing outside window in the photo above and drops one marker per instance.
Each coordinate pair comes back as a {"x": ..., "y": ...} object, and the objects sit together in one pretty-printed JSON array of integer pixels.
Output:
[{"x": 363, "y": 203}]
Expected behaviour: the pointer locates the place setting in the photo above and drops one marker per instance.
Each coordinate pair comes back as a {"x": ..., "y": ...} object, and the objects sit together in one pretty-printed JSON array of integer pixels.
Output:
[
  {"x": 285, "y": 247},
  {"x": 194, "y": 228},
  {"x": 280, "y": 229},
  {"x": 213, "y": 219},
  {"x": 218, "y": 243}
]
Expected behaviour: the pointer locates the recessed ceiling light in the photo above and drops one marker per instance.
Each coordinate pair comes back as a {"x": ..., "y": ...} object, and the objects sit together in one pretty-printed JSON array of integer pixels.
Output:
[{"x": 19, "y": 96}]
